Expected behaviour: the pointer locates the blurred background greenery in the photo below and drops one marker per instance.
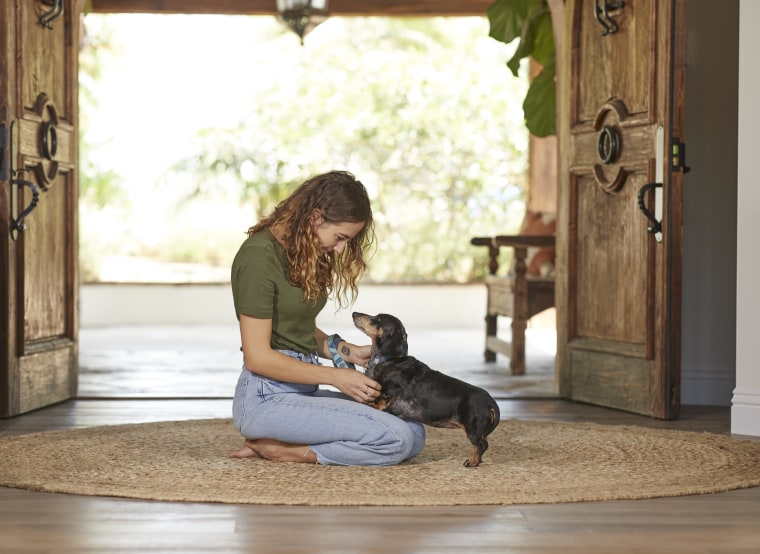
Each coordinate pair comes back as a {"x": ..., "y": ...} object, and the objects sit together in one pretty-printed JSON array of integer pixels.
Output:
[{"x": 193, "y": 127}]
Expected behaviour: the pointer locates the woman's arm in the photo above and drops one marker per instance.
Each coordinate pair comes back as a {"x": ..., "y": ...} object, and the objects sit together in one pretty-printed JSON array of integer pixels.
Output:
[
  {"x": 258, "y": 356},
  {"x": 352, "y": 353}
]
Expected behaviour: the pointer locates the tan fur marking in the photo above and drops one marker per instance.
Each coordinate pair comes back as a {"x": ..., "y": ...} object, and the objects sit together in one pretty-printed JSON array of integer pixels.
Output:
[{"x": 474, "y": 461}]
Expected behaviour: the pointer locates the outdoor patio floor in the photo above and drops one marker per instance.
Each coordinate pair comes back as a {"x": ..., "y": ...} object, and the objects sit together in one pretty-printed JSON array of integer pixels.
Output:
[{"x": 203, "y": 361}]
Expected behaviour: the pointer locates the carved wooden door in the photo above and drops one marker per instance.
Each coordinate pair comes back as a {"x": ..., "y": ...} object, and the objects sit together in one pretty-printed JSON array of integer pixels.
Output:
[
  {"x": 38, "y": 203},
  {"x": 620, "y": 200}
]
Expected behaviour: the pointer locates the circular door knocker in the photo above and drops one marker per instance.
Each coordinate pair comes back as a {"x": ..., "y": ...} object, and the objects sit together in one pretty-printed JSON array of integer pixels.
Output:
[
  {"x": 608, "y": 145},
  {"x": 48, "y": 139},
  {"x": 46, "y": 169}
]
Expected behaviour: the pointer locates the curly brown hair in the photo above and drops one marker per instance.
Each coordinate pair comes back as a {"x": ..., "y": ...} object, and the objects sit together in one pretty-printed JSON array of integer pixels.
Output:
[{"x": 335, "y": 197}]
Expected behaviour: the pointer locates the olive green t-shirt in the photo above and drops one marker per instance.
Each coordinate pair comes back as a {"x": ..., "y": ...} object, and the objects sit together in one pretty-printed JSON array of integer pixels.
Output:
[{"x": 260, "y": 288}]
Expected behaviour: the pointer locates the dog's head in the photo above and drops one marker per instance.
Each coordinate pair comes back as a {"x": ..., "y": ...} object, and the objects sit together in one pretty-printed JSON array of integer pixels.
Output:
[{"x": 387, "y": 333}]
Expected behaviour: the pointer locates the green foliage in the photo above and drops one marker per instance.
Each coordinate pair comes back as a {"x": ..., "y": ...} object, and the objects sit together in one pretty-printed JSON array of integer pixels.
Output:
[
  {"x": 101, "y": 190},
  {"x": 410, "y": 113},
  {"x": 417, "y": 108},
  {"x": 97, "y": 186},
  {"x": 530, "y": 22}
]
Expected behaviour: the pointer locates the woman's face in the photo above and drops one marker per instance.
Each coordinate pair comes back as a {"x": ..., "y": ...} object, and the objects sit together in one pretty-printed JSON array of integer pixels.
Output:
[{"x": 333, "y": 237}]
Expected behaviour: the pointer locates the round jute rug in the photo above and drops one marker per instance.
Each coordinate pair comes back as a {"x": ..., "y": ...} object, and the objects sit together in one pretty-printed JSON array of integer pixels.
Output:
[{"x": 528, "y": 462}]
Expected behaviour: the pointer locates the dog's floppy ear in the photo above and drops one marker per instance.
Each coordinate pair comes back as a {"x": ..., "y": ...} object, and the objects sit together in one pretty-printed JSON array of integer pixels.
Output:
[{"x": 391, "y": 340}]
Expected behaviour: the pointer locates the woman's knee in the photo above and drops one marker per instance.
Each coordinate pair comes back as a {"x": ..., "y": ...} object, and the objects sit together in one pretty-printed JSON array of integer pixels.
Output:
[
  {"x": 418, "y": 432},
  {"x": 410, "y": 442}
]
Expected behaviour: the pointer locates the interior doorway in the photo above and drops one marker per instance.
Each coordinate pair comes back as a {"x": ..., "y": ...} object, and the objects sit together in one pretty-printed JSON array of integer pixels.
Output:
[{"x": 199, "y": 355}]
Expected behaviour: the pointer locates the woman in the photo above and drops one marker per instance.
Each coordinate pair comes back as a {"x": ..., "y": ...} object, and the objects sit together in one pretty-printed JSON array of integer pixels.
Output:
[{"x": 310, "y": 247}]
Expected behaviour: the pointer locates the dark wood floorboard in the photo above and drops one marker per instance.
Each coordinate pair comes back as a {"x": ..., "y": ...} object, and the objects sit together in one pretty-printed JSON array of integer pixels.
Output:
[{"x": 33, "y": 522}]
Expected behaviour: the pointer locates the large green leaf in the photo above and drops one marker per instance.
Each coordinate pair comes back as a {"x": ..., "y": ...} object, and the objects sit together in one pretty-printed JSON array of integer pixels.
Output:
[
  {"x": 530, "y": 21},
  {"x": 506, "y": 18},
  {"x": 540, "y": 105},
  {"x": 543, "y": 36},
  {"x": 531, "y": 36}
]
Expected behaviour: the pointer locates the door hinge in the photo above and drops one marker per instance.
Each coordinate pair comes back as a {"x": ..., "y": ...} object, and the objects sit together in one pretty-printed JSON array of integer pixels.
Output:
[
  {"x": 678, "y": 156},
  {"x": 4, "y": 143}
]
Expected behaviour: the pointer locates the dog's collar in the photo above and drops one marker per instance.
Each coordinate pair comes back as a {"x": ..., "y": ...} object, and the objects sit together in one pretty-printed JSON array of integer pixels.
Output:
[{"x": 377, "y": 360}]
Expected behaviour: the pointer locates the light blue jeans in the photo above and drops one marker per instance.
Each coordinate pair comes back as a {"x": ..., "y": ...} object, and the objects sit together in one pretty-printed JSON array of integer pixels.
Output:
[{"x": 338, "y": 429}]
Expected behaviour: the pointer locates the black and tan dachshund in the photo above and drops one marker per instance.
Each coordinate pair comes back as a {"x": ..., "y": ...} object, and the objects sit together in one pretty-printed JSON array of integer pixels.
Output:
[{"x": 412, "y": 390}]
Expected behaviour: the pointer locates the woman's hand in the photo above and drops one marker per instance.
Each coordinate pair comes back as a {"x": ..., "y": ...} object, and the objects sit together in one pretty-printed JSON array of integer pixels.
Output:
[{"x": 356, "y": 385}]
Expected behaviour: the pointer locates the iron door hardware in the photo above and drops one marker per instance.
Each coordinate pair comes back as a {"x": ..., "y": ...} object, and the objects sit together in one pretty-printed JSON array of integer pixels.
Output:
[
  {"x": 608, "y": 144},
  {"x": 678, "y": 156},
  {"x": 603, "y": 17},
  {"x": 655, "y": 215},
  {"x": 17, "y": 224},
  {"x": 6, "y": 145},
  {"x": 677, "y": 163},
  {"x": 656, "y": 225},
  {"x": 55, "y": 11}
]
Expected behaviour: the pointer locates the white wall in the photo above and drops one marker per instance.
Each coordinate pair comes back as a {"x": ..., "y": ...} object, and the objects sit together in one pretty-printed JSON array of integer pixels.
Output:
[
  {"x": 745, "y": 410},
  {"x": 431, "y": 306}
]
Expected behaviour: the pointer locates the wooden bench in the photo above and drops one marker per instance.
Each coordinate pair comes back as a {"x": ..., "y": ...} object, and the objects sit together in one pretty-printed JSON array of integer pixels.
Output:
[{"x": 517, "y": 295}]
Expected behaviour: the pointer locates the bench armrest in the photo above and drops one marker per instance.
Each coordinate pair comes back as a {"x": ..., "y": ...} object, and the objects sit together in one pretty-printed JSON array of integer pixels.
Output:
[
  {"x": 520, "y": 243},
  {"x": 526, "y": 241}
]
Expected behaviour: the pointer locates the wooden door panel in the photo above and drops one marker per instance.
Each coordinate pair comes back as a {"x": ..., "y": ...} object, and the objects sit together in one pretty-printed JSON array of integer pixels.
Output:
[
  {"x": 617, "y": 293},
  {"x": 621, "y": 67},
  {"x": 46, "y": 378},
  {"x": 47, "y": 261},
  {"x": 611, "y": 380},
  {"x": 47, "y": 52},
  {"x": 610, "y": 281},
  {"x": 39, "y": 263}
]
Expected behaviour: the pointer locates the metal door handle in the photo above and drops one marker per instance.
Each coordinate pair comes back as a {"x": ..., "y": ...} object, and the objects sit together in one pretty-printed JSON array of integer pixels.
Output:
[
  {"x": 656, "y": 225},
  {"x": 17, "y": 224},
  {"x": 6, "y": 142},
  {"x": 655, "y": 215}
]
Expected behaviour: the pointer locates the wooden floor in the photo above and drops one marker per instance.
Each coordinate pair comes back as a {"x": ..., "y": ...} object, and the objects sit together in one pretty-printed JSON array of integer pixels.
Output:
[{"x": 39, "y": 522}]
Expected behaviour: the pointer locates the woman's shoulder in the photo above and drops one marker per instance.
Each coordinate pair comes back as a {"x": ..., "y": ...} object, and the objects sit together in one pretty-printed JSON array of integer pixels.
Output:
[
  {"x": 262, "y": 239},
  {"x": 260, "y": 244}
]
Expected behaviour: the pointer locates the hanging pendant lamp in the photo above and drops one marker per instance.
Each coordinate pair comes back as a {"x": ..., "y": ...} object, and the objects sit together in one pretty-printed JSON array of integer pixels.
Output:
[{"x": 302, "y": 16}]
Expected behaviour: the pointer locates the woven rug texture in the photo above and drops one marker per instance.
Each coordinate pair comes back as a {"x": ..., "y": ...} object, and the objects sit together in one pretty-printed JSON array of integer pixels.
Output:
[{"x": 528, "y": 462}]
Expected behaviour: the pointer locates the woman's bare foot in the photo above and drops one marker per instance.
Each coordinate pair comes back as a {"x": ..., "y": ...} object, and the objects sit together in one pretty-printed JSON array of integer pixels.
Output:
[
  {"x": 276, "y": 451},
  {"x": 244, "y": 452}
]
